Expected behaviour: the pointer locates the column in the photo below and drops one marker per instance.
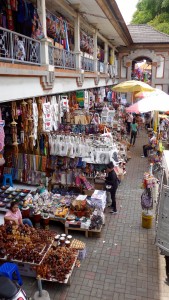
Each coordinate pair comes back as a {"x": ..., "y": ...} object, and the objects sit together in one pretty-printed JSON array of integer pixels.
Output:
[
  {"x": 77, "y": 41},
  {"x": 106, "y": 56},
  {"x": 95, "y": 51},
  {"x": 41, "y": 6}
]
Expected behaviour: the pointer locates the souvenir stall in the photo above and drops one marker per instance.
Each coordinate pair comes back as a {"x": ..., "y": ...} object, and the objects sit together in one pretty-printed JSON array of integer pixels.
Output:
[
  {"x": 74, "y": 211},
  {"x": 59, "y": 140},
  {"x": 86, "y": 43},
  {"x": 60, "y": 32},
  {"x": 49, "y": 256}
]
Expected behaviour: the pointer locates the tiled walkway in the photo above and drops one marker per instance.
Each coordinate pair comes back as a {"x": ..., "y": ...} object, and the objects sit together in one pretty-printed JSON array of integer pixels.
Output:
[{"x": 124, "y": 263}]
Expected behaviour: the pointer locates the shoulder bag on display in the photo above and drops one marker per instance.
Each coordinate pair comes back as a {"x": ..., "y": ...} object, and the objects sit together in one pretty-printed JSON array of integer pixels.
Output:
[{"x": 146, "y": 199}]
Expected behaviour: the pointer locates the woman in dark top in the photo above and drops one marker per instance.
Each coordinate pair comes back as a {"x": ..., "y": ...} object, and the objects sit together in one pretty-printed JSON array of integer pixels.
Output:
[{"x": 112, "y": 185}]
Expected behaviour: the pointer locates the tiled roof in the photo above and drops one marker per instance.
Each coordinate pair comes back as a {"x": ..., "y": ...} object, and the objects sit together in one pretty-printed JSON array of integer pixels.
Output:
[{"x": 144, "y": 33}]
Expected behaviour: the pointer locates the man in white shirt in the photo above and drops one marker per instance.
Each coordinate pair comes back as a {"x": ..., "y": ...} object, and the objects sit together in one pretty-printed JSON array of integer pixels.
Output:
[
  {"x": 129, "y": 121},
  {"x": 151, "y": 144}
]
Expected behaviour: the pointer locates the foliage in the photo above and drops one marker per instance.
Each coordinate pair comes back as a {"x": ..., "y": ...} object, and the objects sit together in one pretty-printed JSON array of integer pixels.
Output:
[{"x": 154, "y": 13}]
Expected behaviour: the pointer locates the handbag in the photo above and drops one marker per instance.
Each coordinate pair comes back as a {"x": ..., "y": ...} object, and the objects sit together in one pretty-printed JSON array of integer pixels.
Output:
[
  {"x": 146, "y": 199},
  {"x": 108, "y": 187}
]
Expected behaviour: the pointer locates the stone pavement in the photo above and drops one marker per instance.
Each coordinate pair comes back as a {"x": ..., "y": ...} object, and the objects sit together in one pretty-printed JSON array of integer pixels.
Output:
[{"x": 124, "y": 264}]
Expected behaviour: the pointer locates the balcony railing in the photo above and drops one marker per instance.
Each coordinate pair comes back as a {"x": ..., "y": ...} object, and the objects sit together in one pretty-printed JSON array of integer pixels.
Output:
[
  {"x": 15, "y": 47},
  {"x": 112, "y": 70},
  {"x": 61, "y": 58},
  {"x": 87, "y": 64},
  {"x": 101, "y": 67}
]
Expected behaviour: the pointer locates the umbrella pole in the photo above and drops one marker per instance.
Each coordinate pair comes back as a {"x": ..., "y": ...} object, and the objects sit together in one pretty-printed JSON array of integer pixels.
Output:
[{"x": 155, "y": 120}]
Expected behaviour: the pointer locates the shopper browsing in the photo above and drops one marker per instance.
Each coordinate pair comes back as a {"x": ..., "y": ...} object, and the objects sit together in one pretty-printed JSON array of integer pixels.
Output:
[
  {"x": 134, "y": 127},
  {"x": 112, "y": 185},
  {"x": 14, "y": 215},
  {"x": 151, "y": 144}
]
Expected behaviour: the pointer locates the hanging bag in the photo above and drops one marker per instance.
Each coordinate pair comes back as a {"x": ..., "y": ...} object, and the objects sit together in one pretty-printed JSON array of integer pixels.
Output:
[{"x": 146, "y": 199}]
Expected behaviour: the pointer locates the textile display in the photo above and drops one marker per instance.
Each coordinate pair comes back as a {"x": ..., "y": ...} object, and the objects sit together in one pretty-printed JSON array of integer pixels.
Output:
[
  {"x": 21, "y": 16},
  {"x": 57, "y": 28}
]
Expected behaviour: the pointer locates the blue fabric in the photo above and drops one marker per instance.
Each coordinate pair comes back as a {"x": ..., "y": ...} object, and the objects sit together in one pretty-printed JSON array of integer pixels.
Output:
[{"x": 27, "y": 222}]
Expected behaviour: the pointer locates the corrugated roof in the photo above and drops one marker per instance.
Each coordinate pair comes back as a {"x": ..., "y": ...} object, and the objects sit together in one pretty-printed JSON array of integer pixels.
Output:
[{"x": 144, "y": 33}]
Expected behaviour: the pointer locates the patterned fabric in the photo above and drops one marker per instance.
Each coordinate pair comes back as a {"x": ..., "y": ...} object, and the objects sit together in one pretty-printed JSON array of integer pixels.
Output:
[
  {"x": 9, "y": 15},
  {"x": 37, "y": 31}
]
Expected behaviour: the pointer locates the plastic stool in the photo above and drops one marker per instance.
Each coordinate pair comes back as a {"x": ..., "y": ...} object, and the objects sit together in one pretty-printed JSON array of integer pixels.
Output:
[
  {"x": 7, "y": 177},
  {"x": 8, "y": 270}
]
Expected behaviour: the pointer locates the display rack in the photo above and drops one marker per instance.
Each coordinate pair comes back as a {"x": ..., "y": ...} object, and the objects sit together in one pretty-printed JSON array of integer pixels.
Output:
[{"x": 68, "y": 276}]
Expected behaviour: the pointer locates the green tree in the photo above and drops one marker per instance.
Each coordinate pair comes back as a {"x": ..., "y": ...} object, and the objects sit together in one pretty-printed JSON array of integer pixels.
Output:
[{"x": 154, "y": 13}]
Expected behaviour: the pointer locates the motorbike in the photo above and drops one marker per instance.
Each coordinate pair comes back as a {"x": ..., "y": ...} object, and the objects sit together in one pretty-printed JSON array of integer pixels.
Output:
[{"x": 9, "y": 290}]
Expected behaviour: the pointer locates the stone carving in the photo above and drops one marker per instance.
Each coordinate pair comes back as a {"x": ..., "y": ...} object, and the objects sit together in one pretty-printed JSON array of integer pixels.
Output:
[
  {"x": 47, "y": 81},
  {"x": 80, "y": 80}
]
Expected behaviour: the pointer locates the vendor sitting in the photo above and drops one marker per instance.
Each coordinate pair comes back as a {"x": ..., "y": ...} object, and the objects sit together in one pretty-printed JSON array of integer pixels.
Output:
[
  {"x": 14, "y": 215},
  {"x": 151, "y": 145}
]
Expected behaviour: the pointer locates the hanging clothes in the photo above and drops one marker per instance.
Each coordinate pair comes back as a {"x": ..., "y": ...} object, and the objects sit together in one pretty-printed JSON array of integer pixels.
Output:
[
  {"x": 14, "y": 5},
  {"x": 37, "y": 30},
  {"x": 22, "y": 11},
  {"x": 9, "y": 15},
  {"x": 66, "y": 37}
]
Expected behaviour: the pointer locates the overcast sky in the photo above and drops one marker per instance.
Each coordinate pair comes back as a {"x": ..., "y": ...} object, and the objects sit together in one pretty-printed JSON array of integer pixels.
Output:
[{"x": 127, "y": 9}]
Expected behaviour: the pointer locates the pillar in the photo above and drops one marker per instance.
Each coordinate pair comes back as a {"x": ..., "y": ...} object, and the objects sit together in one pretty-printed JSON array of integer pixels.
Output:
[
  {"x": 77, "y": 41},
  {"x": 95, "y": 51},
  {"x": 106, "y": 56},
  {"x": 41, "y": 6}
]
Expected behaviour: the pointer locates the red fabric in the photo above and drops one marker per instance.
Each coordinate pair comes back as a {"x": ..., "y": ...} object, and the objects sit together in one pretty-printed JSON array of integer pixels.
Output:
[{"x": 9, "y": 15}]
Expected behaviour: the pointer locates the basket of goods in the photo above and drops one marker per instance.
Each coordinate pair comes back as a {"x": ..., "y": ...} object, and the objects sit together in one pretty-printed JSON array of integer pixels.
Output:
[
  {"x": 81, "y": 247},
  {"x": 78, "y": 205},
  {"x": 61, "y": 212},
  {"x": 78, "y": 245}
]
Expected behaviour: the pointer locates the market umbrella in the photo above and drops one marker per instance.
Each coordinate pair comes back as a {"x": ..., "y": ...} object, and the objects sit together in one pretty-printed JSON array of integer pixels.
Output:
[
  {"x": 156, "y": 101},
  {"x": 141, "y": 95},
  {"x": 132, "y": 86}
]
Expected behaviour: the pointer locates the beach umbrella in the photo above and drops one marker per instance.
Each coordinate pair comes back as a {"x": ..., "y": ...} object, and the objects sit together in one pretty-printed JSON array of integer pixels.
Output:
[
  {"x": 156, "y": 101},
  {"x": 141, "y": 95},
  {"x": 132, "y": 86}
]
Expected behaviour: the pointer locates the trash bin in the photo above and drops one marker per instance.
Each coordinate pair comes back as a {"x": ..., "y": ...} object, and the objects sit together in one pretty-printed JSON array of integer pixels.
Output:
[{"x": 147, "y": 221}]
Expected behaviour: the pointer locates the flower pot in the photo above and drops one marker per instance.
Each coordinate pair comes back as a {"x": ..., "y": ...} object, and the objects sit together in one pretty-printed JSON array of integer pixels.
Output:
[{"x": 25, "y": 212}]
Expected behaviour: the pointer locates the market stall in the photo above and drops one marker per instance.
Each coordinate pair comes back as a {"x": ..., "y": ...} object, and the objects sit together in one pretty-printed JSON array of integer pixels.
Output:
[{"x": 49, "y": 256}]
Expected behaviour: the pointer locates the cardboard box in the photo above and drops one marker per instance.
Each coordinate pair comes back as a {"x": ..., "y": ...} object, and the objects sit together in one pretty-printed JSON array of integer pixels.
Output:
[
  {"x": 129, "y": 154},
  {"x": 88, "y": 192},
  {"x": 50, "y": 41},
  {"x": 99, "y": 186},
  {"x": 60, "y": 46},
  {"x": 120, "y": 176}
]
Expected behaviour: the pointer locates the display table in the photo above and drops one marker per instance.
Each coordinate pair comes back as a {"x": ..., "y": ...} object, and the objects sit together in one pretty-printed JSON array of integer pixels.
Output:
[
  {"x": 54, "y": 262},
  {"x": 87, "y": 231}
]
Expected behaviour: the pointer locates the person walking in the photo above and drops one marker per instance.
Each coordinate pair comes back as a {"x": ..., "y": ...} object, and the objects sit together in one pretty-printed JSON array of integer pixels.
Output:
[
  {"x": 134, "y": 127},
  {"x": 112, "y": 182},
  {"x": 129, "y": 121}
]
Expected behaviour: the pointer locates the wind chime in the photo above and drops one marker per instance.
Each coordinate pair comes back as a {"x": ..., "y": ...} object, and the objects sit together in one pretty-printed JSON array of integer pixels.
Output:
[
  {"x": 30, "y": 124},
  {"x": 24, "y": 125},
  {"x": 40, "y": 114},
  {"x": 14, "y": 129}
]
